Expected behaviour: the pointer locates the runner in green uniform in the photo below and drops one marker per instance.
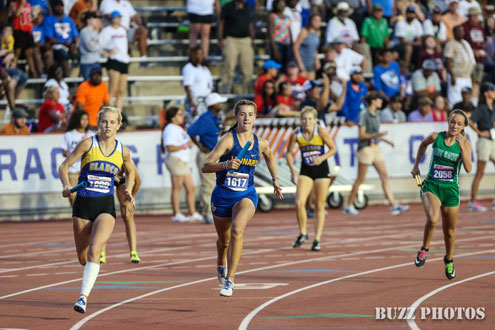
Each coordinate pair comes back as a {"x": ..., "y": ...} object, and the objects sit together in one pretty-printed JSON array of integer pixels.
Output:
[{"x": 440, "y": 190}]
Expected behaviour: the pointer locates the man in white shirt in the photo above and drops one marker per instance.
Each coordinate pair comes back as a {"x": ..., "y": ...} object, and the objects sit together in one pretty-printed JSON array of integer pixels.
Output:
[
  {"x": 408, "y": 33},
  {"x": 340, "y": 26},
  {"x": 435, "y": 27},
  {"x": 131, "y": 21},
  {"x": 346, "y": 58}
]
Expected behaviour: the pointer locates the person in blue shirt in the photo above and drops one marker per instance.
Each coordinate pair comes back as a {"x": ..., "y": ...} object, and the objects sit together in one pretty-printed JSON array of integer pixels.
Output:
[
  {"x": 42, "y": 52},
  {"x": 61, "y": 33},
  {"x": 42, "y": 3},
  {"x": 356, "y": 90},
  {"x": 204, "y": 132},
  {"x": 386, "y": 75}
]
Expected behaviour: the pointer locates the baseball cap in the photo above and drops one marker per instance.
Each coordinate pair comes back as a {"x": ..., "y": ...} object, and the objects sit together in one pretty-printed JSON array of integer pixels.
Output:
[
  {"x": 425, "y": 101},
  {"x": 270, "y": 64},
  {"x": 310, "y": 84},
  {"x": 410, "y": 9},
  {"x": 487, "y": 86},
  {"x": 377, "y": 7},
  {"x": 436, "y": 10},
  {"x": 292, "y": 64},
  {"x": 215, "y": 98},
  {"x": 114, "y": 14},
  {"x": 338, "y": 40},
  {"x": 466, "y": 90},
  {"x": 429, "y": 65},
  {"x": 19, "y": 113},
  {"x": 396, "y": 98},
  {"x": 94, "y": 70},
  {"x": 355, "y": 70}
]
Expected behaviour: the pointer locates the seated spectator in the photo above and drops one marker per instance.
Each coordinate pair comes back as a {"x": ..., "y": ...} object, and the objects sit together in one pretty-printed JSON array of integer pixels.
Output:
[
  {"x": 436, "y": 28},
  {"x": 423, "y": 113},
  {"x": 267, "y": 100},
  {"x": 56, "y": 78},
  {"x": 452, "y": 18},
  {"x": 346, "y": 59},
  {"x": 408, "y": 33},
  {"x": 340, "y": 27},
  {"x": 23, "y": 34},
  {"x": 8, "y": 85},
  {"x": 285, "y": 95},
  {"x": 91, "y": 95},
  {"x": 393, "y": 111},
  {"x": 43, "y": 4},
  {"x": 7, "y": 48},
  {"x": 465, "y": 105},
  {"x": 17, "y": 125},
  {"x": 440, "y": 109},
  {"x": 51, "y": 117},
  {"x": 18, "y": 80},
  {"x": 355, "y": 91},
  {"x": 90, "y": 46},
  {"x": 270, "y": 72},
  {"x": 296, "y": 81},
  {"x": 318, "y": 97},
  {"x": 375, "y": 31},
  {"x": 431, "y": 53},
  {"x": 306, "y": 47},
  {"x": 78, "y": 10},
  {"x": 387, "y": 5},
  {"x": 425, "y": 81},
  {"x": 386, "y": 75},
  {"x": 61, "y": 33},
  {"x": 465, "y": 5},
  {"x": 42, "y": 52}
]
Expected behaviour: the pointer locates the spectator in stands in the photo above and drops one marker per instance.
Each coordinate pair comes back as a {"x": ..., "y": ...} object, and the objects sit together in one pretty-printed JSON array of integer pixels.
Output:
[
  {"x": 91, "y": 95},
  {"x": 340, "y": 27},
  {"x": 425, "y": 81},
  {"x": 490, "y": 48},
  {"x": 204, "y": 133},
  {"x": 56, "y": 78},
  {"x": 51, "y": 117},
  {"x": 475, "y": 36},
  {"x": 7, "y": 56},
  {"x": 436, "y": 28},
  {"x": 284, "y": 95},
  {"x": 131, "y": 22},
  {"x": 452, "y": 18},
  {"x": 386, "y": 75},
  {"x": 408, "y": 33},
  {"x": 42, "y": 52},
  {"x": 440, "y": 109},
  {"x": 375, "y": 31},
  {"x": 355, "y": 91},
  {"x": 465, "y": 105},
  {"x": 279, "y": 34},
  {"x": 296, "y": 81},
  {"x": 42, "y": 3},
  {"x": 79, "y": 9},
  {"x": 465, "y": 5},
  {"x": 271, "y": 70},
  {"x": 293, "y": 12},
  {"x": 423, "y": 113},
  {"x": 387, "y": 5},
  {"x": 17, "y": 125},
  {"x": 430, "y": 53},
  {"x": 460, "y": 64},
  {"x": 23, "y": 34},
  {"x": 346, "y": 59},
  {"x": 90, "y": 46},
  {"x": 236, "y": 25},
  {"x": 267, "y": 99},
  {"x": 318, "y": 97},
  {"x": 197, "y": 82},
  {"x": 393, "y": 111},
  {"x": 61, "y": 33},
  {"x": 113, "y": 38},
  {"x": 177, "y": 144},
  {"x": 17, "y": 81},
  {"x": 306, "y": 47},
  {"x": 201, "y": 15}
]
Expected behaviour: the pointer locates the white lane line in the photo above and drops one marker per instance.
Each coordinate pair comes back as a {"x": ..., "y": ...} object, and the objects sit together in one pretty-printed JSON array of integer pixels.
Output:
[
  {"x": 64, "y": 273},
  {"x": 42, "y": 274},
  {"x": 245, "y": 322},
  {"x": 412, "y": 323},
  {"x": 38, "y": 266},
  {"x": 5, "y": 276}
]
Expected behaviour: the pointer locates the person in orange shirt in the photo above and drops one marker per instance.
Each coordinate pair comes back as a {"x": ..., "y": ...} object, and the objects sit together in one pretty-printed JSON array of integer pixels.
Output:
[
  {"x": 79, "y": 8},
  {"x": 91, "y": 95},
  {"x": 17, "y": 125}
]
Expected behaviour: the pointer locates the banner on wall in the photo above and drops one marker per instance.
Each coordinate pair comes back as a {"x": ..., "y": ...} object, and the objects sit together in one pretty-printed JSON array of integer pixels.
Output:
[{"x": 28, "y": 164}]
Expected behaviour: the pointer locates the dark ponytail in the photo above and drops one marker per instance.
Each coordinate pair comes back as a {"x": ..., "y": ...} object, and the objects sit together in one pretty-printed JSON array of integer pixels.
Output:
[{"x": 169, "y": 114}]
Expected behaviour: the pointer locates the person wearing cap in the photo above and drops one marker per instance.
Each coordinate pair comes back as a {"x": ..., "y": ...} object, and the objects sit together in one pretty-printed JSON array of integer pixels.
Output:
[
  {"x": 356, "y": 89},
  {"x": 89, "y": 45},
  {"x": 465, "y": 105},
  {"x": 393, "y": 111},
  {"x": 386, "y": 75},
  {"x": 342, "y": 27},
  {"x": 61, "y": 33},
  {"x": 204, "y": 133},
  {"x": 91, "y": 95},
  {"x": 369, "y": 153},
  {"x": 318, "y": 97},
  {"x": 425, "y": 81},
  {"x": 452, "y": 18},
  {"x": 271, "y": 70},
  {"x": 408, "y": 33},
  {"x": 17, "y": 125},
  {"x": 435, "y": 27},
  {"x": 388, "y": 7},
  {"x": 79, "y": 9},
  {"x": 465, "y": 5},
  {"x": 306, "y": 47},
  {"x": 346, "y": 59},
  {"x": 482, "y": 121},
  {"x": 375, "y": 31},
  {"x": 423, "y": 113}
]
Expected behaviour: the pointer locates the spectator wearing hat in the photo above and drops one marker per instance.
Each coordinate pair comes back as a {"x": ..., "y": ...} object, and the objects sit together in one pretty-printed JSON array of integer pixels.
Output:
[
  {"x": 306, "y": 47},
  {"x": 271, "y": 70},
  {"x": 460, "y": 64},
  {"x": 17, "y": 125},
  {"x": 79, "y": 9},
  {"x": 430, "y": 53},
  {"x": 423, "y": 113},
  {"x": 452, "y": 18},
  {"x": 386, "y": 75},
  {"x": 435, "y": 27},
  {"x": 475, "y": 36},
  {"x": 465, "y": 105},
  {"x": 425, "y": 81},
  {"x": 91, "y": 95},
  {"x": 204, "y": 133},
  {"x": 279, "y": 34},
  {"x": 375, "y": 31},
  {"x": 356, "y": 89},
  {"x": 408, "y": 33},
  {"x": 465, "y": 5},
  {"x": 388, "y": 7},
  {"x": 393, "y": 111},
  {"x": 318, "y": 97},
  {"x": 90, "y": 46},
  {"x": 346, "y": 59},
  {"x": 341, "y": 27},
  {"x": 236, "y": 40}
]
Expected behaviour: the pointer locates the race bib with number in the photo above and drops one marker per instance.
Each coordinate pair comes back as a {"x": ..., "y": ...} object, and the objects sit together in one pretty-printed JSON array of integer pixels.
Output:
[
  {"x": 443, "y": 173},
  {"x": 309, "y": 157},
  {"x": 99, "y": 184},
  {"x": 236, "y": 181}
]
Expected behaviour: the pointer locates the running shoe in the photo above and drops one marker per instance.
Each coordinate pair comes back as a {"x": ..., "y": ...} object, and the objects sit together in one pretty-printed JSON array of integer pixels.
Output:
[
  {"x": 421, "y": 258},
  {"x": 135, "y": 258},
  {"x": 316, "y": 246},
  {"x": 103, "y": 258},
  {"x": 196, "y": 217},
  {"x": 80, "y": 305},
  {"x": 221, "y": 274},
  {"x": 227, "y": 289},
  {"x": 310, "y": 213},
  {"x": 300, "y": 239},
  {"x": 179, "y": 217},
  {"x": 476, "y": 207},
  {"x": 350, "y": 210},
  {"x": 398, "y": 209},
  {"x": 209, "y": 219},
  {"x": 449, "y": 268}
]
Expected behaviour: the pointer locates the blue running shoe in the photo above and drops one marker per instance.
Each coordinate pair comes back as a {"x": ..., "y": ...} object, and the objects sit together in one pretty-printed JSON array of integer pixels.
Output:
[
  {"x": 80, "y": 305},
  {"x": 222, "y": 274}
]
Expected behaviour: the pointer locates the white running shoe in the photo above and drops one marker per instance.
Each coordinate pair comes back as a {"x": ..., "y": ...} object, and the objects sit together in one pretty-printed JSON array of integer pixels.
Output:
[
  {"x": 80, "y": 305},
  {"x": 398, "y": 209},
  {"x": 476, "y": 207},
  {"x": 350, "y": 210},
  {"x": 227, "y": 289},
  {"x": 196, "y": 217},
  {"x": 179, "y": 217}
]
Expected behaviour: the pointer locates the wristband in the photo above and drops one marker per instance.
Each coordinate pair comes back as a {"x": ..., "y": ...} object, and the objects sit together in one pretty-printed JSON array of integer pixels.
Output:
[
  {"x": 275, "y": 178},
  {"x": 185, "y": 146},
  {"x": 225, "y": 165}
]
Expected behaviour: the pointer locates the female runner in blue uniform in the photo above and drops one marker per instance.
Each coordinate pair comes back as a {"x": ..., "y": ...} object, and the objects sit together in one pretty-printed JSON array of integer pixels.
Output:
[
  {"x": 234, "y": 199},
  {"x": 93, "y": 212}
]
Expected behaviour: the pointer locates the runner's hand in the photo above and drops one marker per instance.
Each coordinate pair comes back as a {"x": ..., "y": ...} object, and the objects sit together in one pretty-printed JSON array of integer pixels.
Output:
[
  {"x": 66, "y": 191},
  {"x": 128, "y": 196},
  {"x": 415, "y": 171},
  {"x": 293, "y": 177},
  {"x": 277, "y": 190}
]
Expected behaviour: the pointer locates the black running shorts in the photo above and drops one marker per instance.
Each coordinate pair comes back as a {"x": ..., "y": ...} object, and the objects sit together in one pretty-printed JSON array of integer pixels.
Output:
[
  {"x": 316, "y": 171},
  {"x": 90, "y": 208}
]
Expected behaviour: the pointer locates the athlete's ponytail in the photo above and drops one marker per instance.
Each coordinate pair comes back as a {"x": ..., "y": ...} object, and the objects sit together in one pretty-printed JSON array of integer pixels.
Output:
[
  {"x": 237, "y": 106},
  {"x": 463, "y": 114}
]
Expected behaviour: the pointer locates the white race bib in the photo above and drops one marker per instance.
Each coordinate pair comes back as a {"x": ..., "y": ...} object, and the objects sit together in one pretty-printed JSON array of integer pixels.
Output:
[
  {"x": 443, "y": 173},
  {"x": 236, "y": 181}
]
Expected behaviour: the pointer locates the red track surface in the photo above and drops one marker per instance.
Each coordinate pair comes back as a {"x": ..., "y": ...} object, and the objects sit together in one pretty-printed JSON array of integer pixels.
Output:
[{"x": 365, "y": 262}]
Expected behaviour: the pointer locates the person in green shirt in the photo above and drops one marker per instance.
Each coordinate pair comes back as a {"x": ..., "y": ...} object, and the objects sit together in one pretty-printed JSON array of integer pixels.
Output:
[
  {"x": 375, "y": 31},
  {"x": 440, "y": 190}
]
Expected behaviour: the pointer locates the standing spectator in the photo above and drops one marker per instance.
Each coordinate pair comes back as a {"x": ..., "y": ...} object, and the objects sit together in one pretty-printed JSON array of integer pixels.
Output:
[
  {"x": 271, "y": 70},
  {"x": 460, "y": 64},
  {"x": 430, "y": 53},
  {"x": 42, "y": 52},
  {"x": 386, "y": 75},
  {"x": 346, "y": 59},
  {"x": 17, "y": 125},
  {"x": 423, "y": 113},
  {"x": 436, "y": 28},
  {"x": 293, "y": 12},
  {"x": 80, "y": 8},
  {"x": 91, "y": 95},
  {"x": 475, "y": 36},
  {"x": 236, "y": 25},
  {"x": 340, "y": 27},
  {"x": 113, "y": 38},
  {"x": 177, "y": 146},
  {"x": 465, "y": 105},
  {"x": 56, "y": 78},
  {"x": 355, "y": 91},
  {"x": 408, "y": 33},
  {"x": 90, "y": 46},
  {"x": 387, "y": 5},
  {"x": 267, "y": 100},
  {"x": 490, "y": 48},
  {"x": 393, "y": 111},
  {"x": 425, "y": 81},
  {"x": 452, "y": 19},
  {"x": 23, "y": 34},
  {"x": 197, "y": 82},
  {"x": 280, "y": 35},
  {"x": 201, "y": 15},
  {"x": 51, "y": 117},
  {"x": 131, "y": 22},
  {"x": 306, "y": 47},
  {"x": 204, "y": 133},
  {"x": 61, "y": 34},
  {"x": 440, "y": 109},
  {"x": 375, "y": 31}
]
